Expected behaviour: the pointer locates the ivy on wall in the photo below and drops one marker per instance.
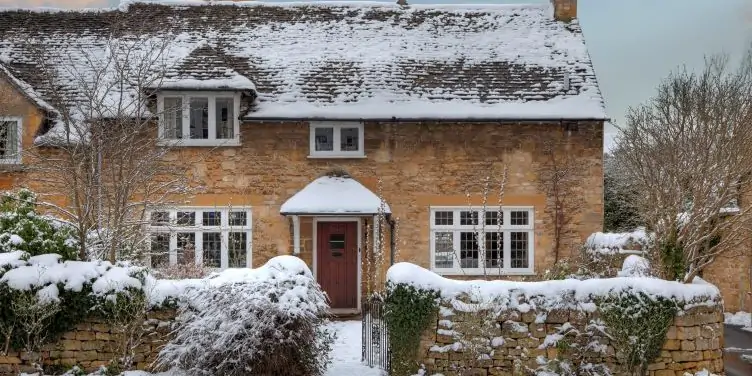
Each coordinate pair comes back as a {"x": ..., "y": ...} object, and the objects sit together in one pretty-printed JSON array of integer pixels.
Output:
[{"x": 409, "y": 312}]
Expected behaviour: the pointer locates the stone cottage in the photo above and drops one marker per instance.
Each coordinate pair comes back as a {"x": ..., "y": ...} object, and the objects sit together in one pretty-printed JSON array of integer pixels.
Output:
[{"x": 352, "y": 135}]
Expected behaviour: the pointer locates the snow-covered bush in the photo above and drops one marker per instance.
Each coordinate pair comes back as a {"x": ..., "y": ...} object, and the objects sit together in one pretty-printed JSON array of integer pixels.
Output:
[
  {"x": 23, "y": 229},
  {"x": 42, "y": 296},
  {"x": 267, "y": 321}
]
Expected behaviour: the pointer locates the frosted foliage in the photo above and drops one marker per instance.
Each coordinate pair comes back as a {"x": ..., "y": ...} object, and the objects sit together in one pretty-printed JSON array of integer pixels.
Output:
[{"x": 271, "y": 325}]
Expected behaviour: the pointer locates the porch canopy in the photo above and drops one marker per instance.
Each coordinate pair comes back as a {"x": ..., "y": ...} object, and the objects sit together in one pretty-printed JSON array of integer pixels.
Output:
[
  {"x": 333, "y": 196},
  {"x": 330, "y": 195}
]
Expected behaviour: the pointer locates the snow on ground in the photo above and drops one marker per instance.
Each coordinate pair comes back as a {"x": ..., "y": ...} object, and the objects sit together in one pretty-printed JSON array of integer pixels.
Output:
[
  {"x": 346, "y": 351},
  {"x": 739, "y": 319}
]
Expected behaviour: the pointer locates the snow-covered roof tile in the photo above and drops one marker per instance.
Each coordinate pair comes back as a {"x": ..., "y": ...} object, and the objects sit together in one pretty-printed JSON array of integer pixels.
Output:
[
  {"x": 335, "y": 59},
  {"x": 334, "y": 195},
  {"x": 205, "y": 68}
]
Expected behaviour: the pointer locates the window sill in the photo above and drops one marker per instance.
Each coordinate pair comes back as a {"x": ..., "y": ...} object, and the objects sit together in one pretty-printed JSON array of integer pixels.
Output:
[
  {"x": 199, "y": 143},
  {"x": 490, "y": 273},
  {"x": 337, "y": 156}
]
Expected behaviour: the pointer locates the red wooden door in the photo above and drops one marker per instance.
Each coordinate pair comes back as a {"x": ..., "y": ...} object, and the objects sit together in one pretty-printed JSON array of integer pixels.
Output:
[{"x": 337, "y": 262}]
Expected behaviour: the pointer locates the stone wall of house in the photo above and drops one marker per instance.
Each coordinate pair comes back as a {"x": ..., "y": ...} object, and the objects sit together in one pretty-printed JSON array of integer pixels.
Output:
[
  {"x": 693, "y": 342},
  {"x": 94, "y": 343}
]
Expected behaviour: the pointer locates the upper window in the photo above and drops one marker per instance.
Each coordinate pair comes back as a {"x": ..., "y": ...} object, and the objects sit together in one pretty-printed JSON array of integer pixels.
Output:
[
  {"x": 199, "y": 119},
  {"x": 470, "y": 241},
  {"x": 214, "y": 237},
  {"x": 10, "y": 140},
  {"x": 337, "y": 139}
]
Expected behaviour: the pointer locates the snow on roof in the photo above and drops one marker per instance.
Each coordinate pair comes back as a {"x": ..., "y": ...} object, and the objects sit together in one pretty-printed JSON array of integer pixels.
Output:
[
  {"x": 335, "y": 59},
  {"x": 334, "y": 195},
  {"x": 205, "y": 68},
  {"x": 554, "y": 294}
]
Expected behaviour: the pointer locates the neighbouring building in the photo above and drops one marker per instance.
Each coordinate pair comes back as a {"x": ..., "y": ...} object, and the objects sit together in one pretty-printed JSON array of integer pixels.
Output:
[{"x": 352, "y": 135}]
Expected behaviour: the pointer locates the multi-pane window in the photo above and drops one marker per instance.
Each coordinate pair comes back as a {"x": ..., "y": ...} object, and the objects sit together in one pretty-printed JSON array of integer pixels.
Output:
[
  {"x": 10, "y": 140},
  {"x": 336, "y": 139},
  {"x": 199, "y": 119},
  {"x": 471, "y": 241},
  {"x": 214, "y": 237}
]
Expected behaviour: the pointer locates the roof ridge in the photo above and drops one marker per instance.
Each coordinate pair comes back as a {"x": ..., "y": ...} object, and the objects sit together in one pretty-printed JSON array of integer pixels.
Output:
[{"x": 125, "y": 4}]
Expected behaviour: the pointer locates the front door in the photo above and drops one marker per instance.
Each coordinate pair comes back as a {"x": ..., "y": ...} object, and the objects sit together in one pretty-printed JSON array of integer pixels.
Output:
[{"x": 337, "y": 263}]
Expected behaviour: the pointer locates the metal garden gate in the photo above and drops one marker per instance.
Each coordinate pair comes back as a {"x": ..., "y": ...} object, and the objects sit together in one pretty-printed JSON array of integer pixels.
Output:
[{"x": 376, "y": 351}]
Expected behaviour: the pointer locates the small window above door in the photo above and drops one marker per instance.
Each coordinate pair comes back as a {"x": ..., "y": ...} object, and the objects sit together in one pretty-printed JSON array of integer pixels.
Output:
[{"x": 336, "y": 139}]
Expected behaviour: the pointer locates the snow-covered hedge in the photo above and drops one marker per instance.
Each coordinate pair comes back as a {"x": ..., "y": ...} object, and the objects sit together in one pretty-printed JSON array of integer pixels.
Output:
[
  {"x": 267, "y": 321},
  {"x": 42, "y": 296},
  {"x": 621, "y": 242},
  {"x": 555, "y": 294}
]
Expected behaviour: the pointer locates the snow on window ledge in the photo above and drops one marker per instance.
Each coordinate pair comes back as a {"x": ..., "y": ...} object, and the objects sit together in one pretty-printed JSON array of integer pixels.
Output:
[
  {"x": 199, "y": 142},
  {"x": 451, "y": 273},
  {"x": 336, "y": 156}
]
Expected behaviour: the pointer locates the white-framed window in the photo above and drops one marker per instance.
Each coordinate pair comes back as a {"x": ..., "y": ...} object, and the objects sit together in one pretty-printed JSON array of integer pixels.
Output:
[
  {"x": 199, "y": 118},
  {"x": 467, "y": 240},
  {"x": 10, "y": 140},
  {"x": 336, "y": 139},
  {"x": 209, "y": 236}
]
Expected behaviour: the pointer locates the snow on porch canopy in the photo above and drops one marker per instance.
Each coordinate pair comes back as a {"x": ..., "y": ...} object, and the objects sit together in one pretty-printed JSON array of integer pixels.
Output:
[{"x": 329, "y": 195}]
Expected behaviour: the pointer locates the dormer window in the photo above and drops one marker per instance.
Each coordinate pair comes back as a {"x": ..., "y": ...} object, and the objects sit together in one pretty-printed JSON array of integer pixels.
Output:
[
  {"x": 336, "y": 139},
  {"x": 199, "y": 118}
]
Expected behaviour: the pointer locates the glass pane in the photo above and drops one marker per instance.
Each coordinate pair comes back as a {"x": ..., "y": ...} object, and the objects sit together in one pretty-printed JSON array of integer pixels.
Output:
[
  {"x": 237, "y": 250},
  {"x": 160, "y": 249},
  {"x": 337, "y": 243},
  {"x": 469, "y": 254},
  {"x": 519, "y": 218},
  {"x": 186, "y": 250},
  {"x": 8, "y": 141},
  {"x": 518, "y": 245},
  {"x": 324, "y": 139},
  {"x": 238, "y": 218},
  {"x": 212, "y": 218},
  {"x": 186, "y": 218},
  {"x": 468, "y": 218},
  {"x": 160, "y": 218},
  {"x": 349, "y": 139},
  {"x": 493, "y": 217},
  {"x": 444, "y": 248},
  {"x": 225, "y": 118},
  {"x": 443, "y": 218},
  {"x": 212, "y": 243},
  {"x": 199, "y": 118},
  {"x": 173, "y": 117},
  {"x": 494, "y": 250}
]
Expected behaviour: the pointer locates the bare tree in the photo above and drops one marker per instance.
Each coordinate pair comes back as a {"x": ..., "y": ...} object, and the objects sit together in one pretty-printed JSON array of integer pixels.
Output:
[
  {"x": 101, "y": 153},
  {"x": 688, "y": 152}
]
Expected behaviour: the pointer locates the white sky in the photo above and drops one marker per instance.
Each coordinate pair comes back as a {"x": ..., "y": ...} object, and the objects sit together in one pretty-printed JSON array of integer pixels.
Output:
[{"x": 633, "y": 43}]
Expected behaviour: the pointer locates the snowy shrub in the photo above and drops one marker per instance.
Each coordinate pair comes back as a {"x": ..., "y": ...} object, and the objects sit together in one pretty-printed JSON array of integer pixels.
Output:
[
  {"x": 271, "y": 322},
  {"x": 23, "y": 229},
  {"x": 42, "y": 297}
]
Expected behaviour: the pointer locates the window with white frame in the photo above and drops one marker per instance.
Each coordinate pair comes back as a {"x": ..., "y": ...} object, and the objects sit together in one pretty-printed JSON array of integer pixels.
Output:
[
  {"x": 213, "y": 237},
  {"x": 336, "y": 139},
  {"x": 468, "y": 240},
  {"x": 199, "y": 118},
  {"x": 10, "y": 140}
]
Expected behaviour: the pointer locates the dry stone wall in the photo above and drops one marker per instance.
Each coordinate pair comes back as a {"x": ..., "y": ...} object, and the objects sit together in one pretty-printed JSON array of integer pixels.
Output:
[
  {"x": 94, "y": 343},
  {"x": 524, "y": 340}
]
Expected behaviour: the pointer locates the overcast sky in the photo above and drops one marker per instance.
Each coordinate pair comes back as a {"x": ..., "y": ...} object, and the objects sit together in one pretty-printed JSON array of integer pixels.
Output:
[{"x": 633, "y": 43}]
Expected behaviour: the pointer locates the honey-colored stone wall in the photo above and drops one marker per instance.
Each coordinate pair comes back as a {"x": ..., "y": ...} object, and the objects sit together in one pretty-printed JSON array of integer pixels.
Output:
[
  {"x": 419, "y": 165},
  {"x": 693, "y": 342},
  {"x": 94, "y": 343}
]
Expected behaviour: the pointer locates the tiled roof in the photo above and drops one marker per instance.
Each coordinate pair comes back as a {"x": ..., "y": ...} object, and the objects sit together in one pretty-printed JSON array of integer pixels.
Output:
[{"x": 335, "y": 60}]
